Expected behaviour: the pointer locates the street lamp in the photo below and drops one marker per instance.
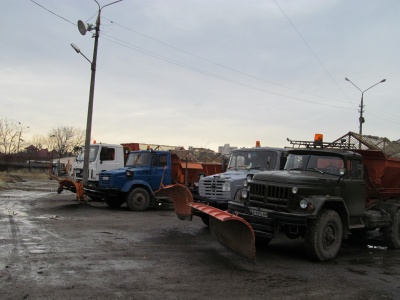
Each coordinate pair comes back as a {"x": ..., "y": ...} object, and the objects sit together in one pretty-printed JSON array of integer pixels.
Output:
[
  {"x": 21, "y": 129},
  {"x": 361, "y": 119},
  {"x": 83, "y": 29}
]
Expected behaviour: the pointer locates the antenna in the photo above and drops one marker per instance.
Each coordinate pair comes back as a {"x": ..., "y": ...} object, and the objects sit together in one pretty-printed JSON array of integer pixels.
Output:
[{"x": 82, "y": 27}]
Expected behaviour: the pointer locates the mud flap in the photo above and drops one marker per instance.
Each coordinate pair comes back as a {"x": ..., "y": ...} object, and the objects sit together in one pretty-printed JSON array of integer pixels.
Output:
[{"x": 231, "y": 231}]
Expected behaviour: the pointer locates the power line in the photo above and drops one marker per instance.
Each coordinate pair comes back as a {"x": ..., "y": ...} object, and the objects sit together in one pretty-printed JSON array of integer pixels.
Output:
[
  {"x": 383, "y": 115},
  {"x": 175, "y": 62},
  {"x": 57, "y": 15},
  {"x": 205, "y": 59},
  {"x": 311, "y": 50},
  {"x": 218, "y": 64},
  {"x": 144, "y": 51}
]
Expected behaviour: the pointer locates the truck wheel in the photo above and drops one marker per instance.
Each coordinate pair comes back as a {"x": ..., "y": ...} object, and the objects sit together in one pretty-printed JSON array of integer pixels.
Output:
[
  {"x": 114, "y": 202},
  {"x": 138, "y": 199},
  {"x": 392, "y": 233},
  {"x": 324, "y": 236},
  {"x": 206, "y": 220},
  {"x": 262, "y": 242},
  {"x": 96, "y": 198}
]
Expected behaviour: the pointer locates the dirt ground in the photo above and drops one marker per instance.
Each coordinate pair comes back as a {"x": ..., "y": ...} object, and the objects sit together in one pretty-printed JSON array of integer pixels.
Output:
[{"x": 53, "y": 247}]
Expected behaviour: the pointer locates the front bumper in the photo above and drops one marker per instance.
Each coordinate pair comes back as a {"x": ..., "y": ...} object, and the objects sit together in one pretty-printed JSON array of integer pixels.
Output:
[
  {"x": 220, "y": 204},
  {"x": 266, "y": 222}
]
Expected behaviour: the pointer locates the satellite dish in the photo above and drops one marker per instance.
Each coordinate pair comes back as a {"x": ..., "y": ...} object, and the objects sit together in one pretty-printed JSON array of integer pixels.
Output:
[{"x": 82, "y": 27}]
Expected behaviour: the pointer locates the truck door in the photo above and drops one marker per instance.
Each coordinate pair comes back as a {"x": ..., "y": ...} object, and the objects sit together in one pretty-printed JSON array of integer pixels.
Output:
[
  {"x": 158, "y": 169},
  {"x": 353, "y": 187},
  {"x": 108, "y": 159}
]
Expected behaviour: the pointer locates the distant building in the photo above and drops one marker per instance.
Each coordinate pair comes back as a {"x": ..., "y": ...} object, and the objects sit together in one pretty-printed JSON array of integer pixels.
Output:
[{"x": 226, "y": 149}]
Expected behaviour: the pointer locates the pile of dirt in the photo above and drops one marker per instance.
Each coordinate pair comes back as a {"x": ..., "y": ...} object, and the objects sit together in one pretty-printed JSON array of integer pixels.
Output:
[{"x": 13, "y": 177}]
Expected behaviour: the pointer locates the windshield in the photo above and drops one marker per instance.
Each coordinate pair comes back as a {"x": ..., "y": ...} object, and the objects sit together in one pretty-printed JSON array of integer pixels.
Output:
[
  {"x": 138, "y": 159},
  {"x": 92, "y": 154},
  {"x": 319, "y": 163},
  {"x": 263, "y": 160}
]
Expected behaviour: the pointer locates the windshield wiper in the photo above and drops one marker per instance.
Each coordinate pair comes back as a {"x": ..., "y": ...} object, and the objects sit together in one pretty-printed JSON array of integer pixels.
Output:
[
  {"x": 316, "y": 169},
  {"x": 256, "y": 167}
]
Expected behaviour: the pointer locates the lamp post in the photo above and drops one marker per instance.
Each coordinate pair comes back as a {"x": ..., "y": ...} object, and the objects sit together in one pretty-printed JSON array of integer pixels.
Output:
[
  {"x": 83, "y": 29},
  {"x": 21, "y": 129},
  {"x": 361, "y": 119}
]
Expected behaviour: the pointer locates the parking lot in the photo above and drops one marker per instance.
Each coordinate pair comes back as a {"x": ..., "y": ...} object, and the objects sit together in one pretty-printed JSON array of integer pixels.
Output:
[{"x": 53, "y": 247}]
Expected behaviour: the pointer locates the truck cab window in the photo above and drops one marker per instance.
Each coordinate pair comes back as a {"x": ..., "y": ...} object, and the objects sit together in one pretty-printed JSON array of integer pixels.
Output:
[
  {"x": 163, "y": 160},
  {"x": 92, "y": 153},
  {"x": 159, "y": 160},
  {"x": 355, "y": 169},
  {"x": 107, "y": 154}
]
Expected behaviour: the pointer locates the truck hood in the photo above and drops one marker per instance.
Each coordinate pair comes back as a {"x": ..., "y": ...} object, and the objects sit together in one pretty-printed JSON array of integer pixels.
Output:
[
  {"x": 234, "y": 174},
  {"x": 123, "y": 170},
  {"x": 297, "y": 178}
]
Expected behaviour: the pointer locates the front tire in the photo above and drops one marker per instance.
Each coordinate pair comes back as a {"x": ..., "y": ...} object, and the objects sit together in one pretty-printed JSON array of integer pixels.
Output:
[
  {"x": 392, "y": 233},
  {"x": 323, "y": 236},
  {"x": 206, "y": 220},
  {"x": 262, "y": 242},
  {"x": 138, "y": 199}
]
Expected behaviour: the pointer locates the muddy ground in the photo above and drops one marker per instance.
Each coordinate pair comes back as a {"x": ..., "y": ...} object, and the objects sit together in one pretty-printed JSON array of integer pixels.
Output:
[{"x": 53, "y": 247}]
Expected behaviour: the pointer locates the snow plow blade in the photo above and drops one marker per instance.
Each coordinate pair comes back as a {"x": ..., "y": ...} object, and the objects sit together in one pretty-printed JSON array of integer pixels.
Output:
[
  {"x": 70, "y": 185},
  {"x": 181, "y": 197},
  {"x": 231, "y": 231}
]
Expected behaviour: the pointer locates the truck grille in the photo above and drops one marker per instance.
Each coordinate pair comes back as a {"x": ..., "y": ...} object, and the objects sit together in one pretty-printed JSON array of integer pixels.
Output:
[
  {"x": 212, "y": 189},
  {"x": 269, "y": 194},
  {"x": 106, "y": 183}
]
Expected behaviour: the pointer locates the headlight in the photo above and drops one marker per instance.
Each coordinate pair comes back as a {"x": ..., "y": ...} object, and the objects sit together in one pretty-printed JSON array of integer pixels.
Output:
[
  {"x": 295, "y": 189},
  {"x": 226, "y": 187},
  {"x": 245, "y": 194},
  {"x": 129, "y": 173},
  {"x": 247, "y": 181},
  {"x": 303, "y": 204}
]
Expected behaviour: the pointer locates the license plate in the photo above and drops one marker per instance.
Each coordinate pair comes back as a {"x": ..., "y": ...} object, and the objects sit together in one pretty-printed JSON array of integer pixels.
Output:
[{"x": 259, "y": 213}]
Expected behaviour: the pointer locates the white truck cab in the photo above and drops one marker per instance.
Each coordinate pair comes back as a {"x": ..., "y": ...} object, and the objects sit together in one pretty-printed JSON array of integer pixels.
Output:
[{"x": 102, "y": 157}]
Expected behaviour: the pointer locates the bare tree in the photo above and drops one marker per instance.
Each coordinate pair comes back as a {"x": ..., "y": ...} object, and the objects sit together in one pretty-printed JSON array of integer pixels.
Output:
[
  {"x": 39, "y": 141},
  {"x": 11, "y": 133},
  {"x": 65, "y": 138}
]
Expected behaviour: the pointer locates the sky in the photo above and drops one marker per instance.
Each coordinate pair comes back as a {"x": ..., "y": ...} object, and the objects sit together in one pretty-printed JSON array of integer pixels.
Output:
[{"x": 203, "y": 73}]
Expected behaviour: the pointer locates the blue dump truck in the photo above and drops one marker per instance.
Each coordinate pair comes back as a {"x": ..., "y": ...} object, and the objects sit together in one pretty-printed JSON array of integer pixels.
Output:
[{"x": 147, "y": 171}]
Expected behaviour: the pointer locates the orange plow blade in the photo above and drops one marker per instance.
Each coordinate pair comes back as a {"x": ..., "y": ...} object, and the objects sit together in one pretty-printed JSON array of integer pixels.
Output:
[
  {"x": 73, "y": 186},
  {"x": 181, "y": 197},
  {"x": 231, "y": 231}
]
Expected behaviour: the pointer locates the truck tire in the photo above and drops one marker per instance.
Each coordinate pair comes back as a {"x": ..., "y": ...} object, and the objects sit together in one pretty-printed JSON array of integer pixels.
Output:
[
  {"x": 138, "y": 199},
  {"x": 96, "y": 198},
  {"x": 262, "y": 242},
  {"x": 392, "y": 233},
  {"x": 206, "y": 220},
  {"x": 323, "y": 236},
  {"x": 114, "y": 202}
]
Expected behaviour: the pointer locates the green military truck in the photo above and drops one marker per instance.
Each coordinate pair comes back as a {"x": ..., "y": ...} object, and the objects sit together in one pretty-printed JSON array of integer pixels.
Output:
[{"x": 326, "y": 192}]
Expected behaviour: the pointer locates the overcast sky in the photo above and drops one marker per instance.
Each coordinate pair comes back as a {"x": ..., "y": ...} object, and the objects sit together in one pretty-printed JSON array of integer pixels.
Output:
[{"x": 203, "y": 73}]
